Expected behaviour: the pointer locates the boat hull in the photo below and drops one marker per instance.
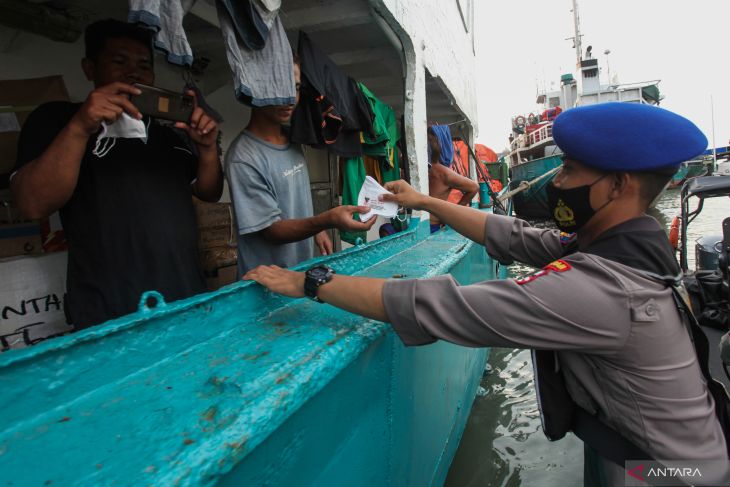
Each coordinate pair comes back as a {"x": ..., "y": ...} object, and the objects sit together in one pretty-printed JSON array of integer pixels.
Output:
[
  {"x": 532, "y": 203},
  {"x": 242, "y": 387},
  {"x": 687, "y": 171}
]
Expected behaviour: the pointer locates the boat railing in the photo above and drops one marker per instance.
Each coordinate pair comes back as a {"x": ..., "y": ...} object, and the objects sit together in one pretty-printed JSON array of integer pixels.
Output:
[
  {"x": 525, "y": 141},
  {"x": 540, "y": 135},
  {"x": 637, "y": 84}
]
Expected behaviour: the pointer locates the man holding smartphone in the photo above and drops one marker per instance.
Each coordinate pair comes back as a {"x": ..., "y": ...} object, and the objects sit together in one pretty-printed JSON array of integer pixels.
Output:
[
  {"x": 126, "y": 211},
  {"x": 271, "y": 195}
]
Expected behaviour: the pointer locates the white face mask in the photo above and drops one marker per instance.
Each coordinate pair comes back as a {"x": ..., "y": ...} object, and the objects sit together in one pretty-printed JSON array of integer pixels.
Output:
[{"x": 125, "y": 127}]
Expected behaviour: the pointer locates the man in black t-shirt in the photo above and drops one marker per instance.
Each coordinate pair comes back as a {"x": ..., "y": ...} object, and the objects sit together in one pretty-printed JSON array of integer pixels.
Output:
[{"x": 127, "y": 213}]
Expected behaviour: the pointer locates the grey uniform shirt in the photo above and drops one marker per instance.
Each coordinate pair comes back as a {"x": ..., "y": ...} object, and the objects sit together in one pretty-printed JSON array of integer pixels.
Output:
[
  {"x": 268, "y": 183},
  {"x": 623, "y": 349}
]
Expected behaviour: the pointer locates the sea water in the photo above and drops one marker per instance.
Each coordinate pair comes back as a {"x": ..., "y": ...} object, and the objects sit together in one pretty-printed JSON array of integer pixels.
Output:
[{"x": 503, "y": 443}]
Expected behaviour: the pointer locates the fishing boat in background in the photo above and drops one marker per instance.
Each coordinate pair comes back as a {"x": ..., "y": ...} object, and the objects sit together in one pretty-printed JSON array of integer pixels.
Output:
[
  {"x": 720, "y": 160},
  {"x": 533, "y": 152},
  {"x": 702, "y": 166}
]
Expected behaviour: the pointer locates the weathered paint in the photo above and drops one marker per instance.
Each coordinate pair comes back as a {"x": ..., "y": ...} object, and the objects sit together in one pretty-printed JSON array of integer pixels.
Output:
[{"x": 243, "y": 387}]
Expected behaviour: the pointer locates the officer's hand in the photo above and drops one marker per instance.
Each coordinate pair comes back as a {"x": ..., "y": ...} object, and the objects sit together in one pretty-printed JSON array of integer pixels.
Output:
[
  {"x": 324, "y": 244},
  {"x": 341, "y": 217},
  {"x": 105, "y": 104},
  {"x": 201, "y": 128},
  {"x": 404, "y": 195},
  {"x": 278, "y": 280}
]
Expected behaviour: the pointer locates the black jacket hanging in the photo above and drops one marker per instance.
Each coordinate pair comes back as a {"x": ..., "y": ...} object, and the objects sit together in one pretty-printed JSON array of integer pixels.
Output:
[{"x": 332, "y": 111}]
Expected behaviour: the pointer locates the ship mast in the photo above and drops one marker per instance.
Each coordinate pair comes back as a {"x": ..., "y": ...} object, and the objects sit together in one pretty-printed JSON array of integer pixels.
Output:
[{"x": 576, "y": 39}]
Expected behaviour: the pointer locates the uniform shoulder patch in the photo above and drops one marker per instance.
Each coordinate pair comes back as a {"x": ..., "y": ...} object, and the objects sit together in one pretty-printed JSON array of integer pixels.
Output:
[
  {"x": 567, "y": 239},
  {"x": 558, "y": 266},
  {"x": 555, "y": 266}
]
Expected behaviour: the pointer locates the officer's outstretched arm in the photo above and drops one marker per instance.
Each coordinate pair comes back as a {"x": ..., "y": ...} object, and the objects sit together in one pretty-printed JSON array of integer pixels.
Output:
[
  {"x": 359, "y": 295},
  {"x": 467, "y": 221}
]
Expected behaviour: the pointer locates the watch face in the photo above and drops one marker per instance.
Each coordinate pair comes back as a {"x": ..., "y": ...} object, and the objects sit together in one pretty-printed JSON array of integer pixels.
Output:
[{"x": 318, "y": 272}]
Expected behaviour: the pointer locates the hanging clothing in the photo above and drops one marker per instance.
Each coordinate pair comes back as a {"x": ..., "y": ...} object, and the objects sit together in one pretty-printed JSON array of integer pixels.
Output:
[
  {"x": 379, "y": 138},
  {"x": 165, "y": 18},
  {"x": 385, "y": 135},
  {"x": 332, "y": 111},
  {"x": 373, "y": 169},
  {"x": 443, "y": 134},
  {"x": 260, "y": 77},
  {"x": 252, "y": 20},
  {"x": 257, "y": 48}
]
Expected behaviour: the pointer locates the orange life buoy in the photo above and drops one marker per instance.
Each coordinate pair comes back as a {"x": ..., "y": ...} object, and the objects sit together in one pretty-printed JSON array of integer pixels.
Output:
[
  {"x": 520, "y": 120},
  {"x": 674, "y": 233}
]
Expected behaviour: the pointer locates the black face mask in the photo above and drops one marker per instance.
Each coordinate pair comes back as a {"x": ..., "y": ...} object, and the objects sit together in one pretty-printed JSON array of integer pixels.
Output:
[{"x": 571, "y": 208}]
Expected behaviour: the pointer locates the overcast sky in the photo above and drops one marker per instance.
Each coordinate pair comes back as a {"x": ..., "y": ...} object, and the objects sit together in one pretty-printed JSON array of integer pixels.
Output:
[{"x": 520, "y": 45}]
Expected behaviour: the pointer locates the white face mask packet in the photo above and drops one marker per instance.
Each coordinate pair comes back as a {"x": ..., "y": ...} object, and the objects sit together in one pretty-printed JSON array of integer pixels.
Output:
[
  {"x": 368, "y": 196},
  {"x": 125, "y": 127}
]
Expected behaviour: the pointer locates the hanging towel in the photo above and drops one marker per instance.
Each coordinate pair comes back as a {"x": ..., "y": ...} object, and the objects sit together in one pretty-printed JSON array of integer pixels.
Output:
[
  {"x": 443, "y": 134},
  {"x": 165, "y": 18},
  {"x": 264, "y": 77},
  {"x": 253, "y": 20}
]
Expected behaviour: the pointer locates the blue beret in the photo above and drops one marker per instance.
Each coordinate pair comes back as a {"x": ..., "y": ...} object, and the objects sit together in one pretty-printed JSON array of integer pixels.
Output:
[{"x": 627, "y": 137}]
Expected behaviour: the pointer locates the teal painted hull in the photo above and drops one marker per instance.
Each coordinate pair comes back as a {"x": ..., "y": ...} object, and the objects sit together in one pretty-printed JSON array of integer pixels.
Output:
[
  {"x": 688, "y": 171},
  {"x": 243, "y": 387},
  {"x": 532, "y": 203}
]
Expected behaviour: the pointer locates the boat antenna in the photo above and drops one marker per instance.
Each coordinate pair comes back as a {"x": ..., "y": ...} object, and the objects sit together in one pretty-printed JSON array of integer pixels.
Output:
[
  {"x": 576, "y": 39},
  {"x": 714, "y": 147}
]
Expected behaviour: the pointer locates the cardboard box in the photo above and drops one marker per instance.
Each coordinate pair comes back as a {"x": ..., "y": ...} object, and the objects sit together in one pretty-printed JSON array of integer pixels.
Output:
[
  {"x": 224, "y": 276},
  {"x": 20, "y": 97},
  {"x": 213, "y": 214},
  {"x": 211, "y": 260},
  {"x": 20, "y": 239},
  {"x": 215, "y": 224},
  {"x": 32, "y": 91},
  {"x": 31, "y": 299},
  {"x": 213, "y": 237}
]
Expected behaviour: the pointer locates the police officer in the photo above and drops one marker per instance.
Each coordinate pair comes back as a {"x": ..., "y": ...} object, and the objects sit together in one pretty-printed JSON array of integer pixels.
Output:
[{"x": 614, "y": 360}]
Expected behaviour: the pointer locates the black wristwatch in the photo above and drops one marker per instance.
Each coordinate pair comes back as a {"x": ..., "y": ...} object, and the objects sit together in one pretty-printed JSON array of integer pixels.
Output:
[{"x": 315, "y": 277}]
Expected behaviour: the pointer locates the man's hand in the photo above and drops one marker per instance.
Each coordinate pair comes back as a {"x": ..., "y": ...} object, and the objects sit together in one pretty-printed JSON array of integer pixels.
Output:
[
  {"x": 404, "y": 195},
  {"x": 202, "y": 129},
  {"x": 341, "y": 217},
  {"x": 324, "y": 244},
  {"x": 105, "y": 104},
  {"x": 278, "y": 280}
]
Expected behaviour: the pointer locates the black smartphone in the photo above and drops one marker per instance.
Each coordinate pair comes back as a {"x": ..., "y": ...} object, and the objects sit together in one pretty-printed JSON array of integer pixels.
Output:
[{"x": 165, "y": 104}]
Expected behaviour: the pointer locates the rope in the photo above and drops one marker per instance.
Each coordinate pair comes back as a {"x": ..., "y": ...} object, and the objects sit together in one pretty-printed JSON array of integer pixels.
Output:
[{"x": 527, "y": 184}]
